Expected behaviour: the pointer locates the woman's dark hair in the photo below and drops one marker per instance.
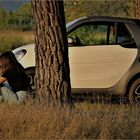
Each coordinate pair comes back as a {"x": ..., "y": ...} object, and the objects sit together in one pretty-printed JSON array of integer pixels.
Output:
[{"x": 8, "y": 60}]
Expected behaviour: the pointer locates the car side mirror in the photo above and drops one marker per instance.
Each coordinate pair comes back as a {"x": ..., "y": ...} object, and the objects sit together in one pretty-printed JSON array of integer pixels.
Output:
[
  {"x": 71, "y": 41},
  {"x": 74, "y": 41}
]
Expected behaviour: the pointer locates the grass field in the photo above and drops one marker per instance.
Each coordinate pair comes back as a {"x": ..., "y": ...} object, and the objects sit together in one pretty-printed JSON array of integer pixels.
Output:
[
  {"x": 10, "y": 40},
  {"x": 85, "y": 121}
]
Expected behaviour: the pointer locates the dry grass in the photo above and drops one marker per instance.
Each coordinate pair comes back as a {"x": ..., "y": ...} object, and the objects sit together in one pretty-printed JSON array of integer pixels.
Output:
[
  {"x": 85, "y": 121},
  {"x": 10, "y": 40}
]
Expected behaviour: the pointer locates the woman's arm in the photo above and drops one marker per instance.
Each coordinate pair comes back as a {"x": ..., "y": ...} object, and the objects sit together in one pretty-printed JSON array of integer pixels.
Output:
[{"x": 2, "y": 80}]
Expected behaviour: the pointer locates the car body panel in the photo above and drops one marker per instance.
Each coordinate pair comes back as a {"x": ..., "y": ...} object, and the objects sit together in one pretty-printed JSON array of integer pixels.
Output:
[
  {"x": 29, "y": 60},
  {"x": 92, "y": 67},
  {"x": 99, "y": 66}
]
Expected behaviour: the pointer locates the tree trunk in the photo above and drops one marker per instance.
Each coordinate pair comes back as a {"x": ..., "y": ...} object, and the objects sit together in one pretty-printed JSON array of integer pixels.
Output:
[
  {"x": 52, "y": 63},
  {"x": 137, "y": 9}
]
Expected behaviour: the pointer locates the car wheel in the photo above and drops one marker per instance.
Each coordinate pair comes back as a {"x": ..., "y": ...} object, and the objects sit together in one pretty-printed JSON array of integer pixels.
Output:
[
  {"x": 31, "y": 74},
  {"x": 134, "y": 93}
]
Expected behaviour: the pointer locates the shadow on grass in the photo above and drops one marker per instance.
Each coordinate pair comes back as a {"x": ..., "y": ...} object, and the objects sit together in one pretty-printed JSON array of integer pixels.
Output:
[{"x": 100, "y": 99}]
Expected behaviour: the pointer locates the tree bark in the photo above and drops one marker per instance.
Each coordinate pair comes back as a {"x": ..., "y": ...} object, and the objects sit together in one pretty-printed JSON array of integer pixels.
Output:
[
  {"x": 137, "y": 9},
  {"x": 52, "y": 63}
]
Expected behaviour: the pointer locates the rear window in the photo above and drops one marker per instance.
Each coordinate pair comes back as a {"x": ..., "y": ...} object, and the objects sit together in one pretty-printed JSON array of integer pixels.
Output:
[
  {"x": 137, "y": 22},
  {"x": 124, "y": 38}
]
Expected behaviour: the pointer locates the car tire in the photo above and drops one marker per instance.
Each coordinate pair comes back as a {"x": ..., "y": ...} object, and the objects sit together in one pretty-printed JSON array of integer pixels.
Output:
[
  {"x": 31, "y": 74},
  {"x": 134, "y": 93}
]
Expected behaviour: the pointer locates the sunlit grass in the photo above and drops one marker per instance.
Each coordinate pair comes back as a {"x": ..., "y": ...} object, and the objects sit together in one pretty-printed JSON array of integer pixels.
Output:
[
  {"x": 84, "y": 121},
  {"x": 10, "y": 40}
]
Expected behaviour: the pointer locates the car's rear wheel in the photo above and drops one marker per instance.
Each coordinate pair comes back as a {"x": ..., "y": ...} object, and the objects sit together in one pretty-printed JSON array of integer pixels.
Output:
[{"x": 134, "y": 93}]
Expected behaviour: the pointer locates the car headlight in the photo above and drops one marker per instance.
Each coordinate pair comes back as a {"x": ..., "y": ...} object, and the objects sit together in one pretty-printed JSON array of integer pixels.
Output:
[{"x": 20, "y": 54}]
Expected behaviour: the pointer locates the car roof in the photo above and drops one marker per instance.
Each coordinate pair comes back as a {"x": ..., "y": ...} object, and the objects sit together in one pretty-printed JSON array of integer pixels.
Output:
[
  {"x": 81, "y": 20},
  {"x": 115, "y": 19}
]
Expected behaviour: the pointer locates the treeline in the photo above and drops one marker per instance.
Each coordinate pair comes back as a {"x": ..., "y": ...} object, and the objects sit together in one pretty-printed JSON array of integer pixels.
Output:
[
  {"x": 117, "y": 8},
  {"x": 21, "y": 19}
]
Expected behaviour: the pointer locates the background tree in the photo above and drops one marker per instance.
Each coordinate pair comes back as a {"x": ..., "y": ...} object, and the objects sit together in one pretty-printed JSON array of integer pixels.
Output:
[
  {"x": 3, "y": 15},
  {"x": 21, "y": 18},
  {"x": 78, "y": 8},
  {"x": 52, "y": 63}
]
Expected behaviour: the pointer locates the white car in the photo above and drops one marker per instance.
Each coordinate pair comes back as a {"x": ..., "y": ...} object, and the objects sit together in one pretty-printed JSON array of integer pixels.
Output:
[{"x": 103, "y": 55}]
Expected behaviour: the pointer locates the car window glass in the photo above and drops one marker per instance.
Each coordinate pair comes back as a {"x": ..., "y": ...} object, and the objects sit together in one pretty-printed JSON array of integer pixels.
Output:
[
  {"x": 88, "y": 35},
  {"x": 124, "y": 38}
]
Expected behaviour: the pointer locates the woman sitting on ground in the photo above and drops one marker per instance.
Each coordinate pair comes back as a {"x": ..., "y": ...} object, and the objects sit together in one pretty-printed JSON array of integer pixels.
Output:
[{"x": 14, "y": 82}]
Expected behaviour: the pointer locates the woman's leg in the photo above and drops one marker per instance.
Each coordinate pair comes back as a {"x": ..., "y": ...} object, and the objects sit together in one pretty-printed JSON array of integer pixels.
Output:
[
  {"x": 22, "y": 96},
  {"x": 8, "y": 95},
  {"x": 1, "y": 98}
]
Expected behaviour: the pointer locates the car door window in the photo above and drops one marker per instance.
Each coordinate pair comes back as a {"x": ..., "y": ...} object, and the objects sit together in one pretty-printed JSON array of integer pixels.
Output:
[
  {"x": 92, "y": 34},
  {"x": 124, "y": 38}
]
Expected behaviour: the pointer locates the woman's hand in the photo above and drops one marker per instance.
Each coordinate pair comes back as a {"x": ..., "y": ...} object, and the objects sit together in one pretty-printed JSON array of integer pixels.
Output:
[{"x": 2, "y": 80}]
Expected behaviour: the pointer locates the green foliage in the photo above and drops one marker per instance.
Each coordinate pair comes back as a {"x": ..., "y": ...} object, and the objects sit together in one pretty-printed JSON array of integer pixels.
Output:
[
  {"x": 18, "y": 20},
  {"x": 78, "y": 8},
  {"x": 24, "y": 10},
  {"x": 24, "y": 15},
  {"x": 21, "y": 19},
  {"x": 3, "y": 15},
  {"x": 89, "y": 35}
]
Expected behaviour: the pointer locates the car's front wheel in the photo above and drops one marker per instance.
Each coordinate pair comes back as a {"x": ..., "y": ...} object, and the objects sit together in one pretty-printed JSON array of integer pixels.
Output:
[
  {"x": 31, "y": 74},
  {"x": 134, "y": 93}
]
